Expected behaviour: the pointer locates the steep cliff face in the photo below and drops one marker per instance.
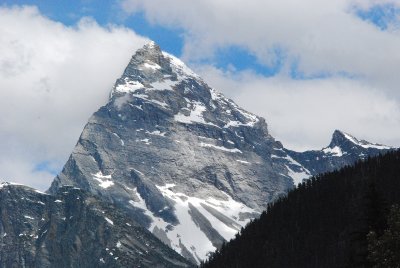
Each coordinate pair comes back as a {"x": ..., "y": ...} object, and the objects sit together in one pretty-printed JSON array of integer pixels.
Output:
[
  {"x": 185, "y": 161},
  {"x": 73, "y": 229}
]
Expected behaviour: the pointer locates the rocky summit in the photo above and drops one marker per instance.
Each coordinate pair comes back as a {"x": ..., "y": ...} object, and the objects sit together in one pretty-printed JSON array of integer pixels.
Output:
[
  {"x": 73, "y": 228},
  {"x": 188, "y": 163},
  {"x": 184, "y": 161}
]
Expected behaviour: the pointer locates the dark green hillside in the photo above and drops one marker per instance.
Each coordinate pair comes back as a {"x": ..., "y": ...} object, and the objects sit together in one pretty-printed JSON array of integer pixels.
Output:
[{"x": 322, "y": 223}]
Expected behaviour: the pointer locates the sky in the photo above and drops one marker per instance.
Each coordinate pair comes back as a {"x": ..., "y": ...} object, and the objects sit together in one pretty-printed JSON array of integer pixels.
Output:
[{"x": 307, "y": 66}]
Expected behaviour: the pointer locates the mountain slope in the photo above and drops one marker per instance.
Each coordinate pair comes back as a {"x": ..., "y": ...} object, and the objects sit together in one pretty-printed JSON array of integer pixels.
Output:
[
  {"x": 322, "y": 223},
  {"x": 186, "y": 162},
  {"x": 344, "y": 149},
  {"x": 73, "y": 229}
]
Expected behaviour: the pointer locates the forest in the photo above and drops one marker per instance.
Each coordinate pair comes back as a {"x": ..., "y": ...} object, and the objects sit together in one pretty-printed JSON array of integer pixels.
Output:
[{"x": 346, "y": 218}]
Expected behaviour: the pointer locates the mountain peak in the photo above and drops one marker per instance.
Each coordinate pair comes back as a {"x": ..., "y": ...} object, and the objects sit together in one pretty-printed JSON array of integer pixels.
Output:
[
  {"x": 342, "y": 139},
  {"x": 338, "y": 137},
  {"x": 150, "y": 68},
  {"x": 151, "y": 45},
  {"x": 150, "y": 51}
]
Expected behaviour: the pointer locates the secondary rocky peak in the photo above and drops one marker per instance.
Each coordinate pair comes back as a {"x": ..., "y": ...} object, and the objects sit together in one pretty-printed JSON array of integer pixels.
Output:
[
  {"x": 338, "y": 138},
  {"x": 344, "y": 149},
  {"x": 345, "y": 140}
]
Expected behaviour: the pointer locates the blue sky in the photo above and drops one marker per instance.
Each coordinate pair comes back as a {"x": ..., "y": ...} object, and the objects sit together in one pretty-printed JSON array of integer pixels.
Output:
[
  {"x": 308, "y": 69},
  {"x": 171, "y": 39}
]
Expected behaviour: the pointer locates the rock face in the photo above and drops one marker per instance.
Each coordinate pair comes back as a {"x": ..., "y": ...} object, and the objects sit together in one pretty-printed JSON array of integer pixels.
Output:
[
  {"x": 185, "y": 162},
  {"x": 188, "y": 163},
  {"x": 73, "y": 229},
  {"x": 343, "y": 150}
]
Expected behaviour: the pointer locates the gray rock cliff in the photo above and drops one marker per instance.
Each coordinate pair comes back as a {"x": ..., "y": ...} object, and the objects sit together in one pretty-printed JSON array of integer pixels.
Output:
[
  {"x": 73, "y": 228},
  {"x": 167, "y": 146}
]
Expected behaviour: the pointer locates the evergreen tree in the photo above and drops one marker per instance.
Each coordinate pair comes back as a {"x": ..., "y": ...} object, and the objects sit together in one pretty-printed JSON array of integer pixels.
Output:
[
  {"x": 384, "y": 251},
  {"x": 325, "y": 222}
]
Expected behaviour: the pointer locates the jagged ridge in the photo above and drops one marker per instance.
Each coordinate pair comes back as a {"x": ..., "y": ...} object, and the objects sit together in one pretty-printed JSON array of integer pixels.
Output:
[{"x": 344, "y": 149}]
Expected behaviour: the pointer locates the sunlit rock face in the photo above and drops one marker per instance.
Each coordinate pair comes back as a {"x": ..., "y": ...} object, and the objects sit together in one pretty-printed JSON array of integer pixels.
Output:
[{"x": 187, "y": 163}]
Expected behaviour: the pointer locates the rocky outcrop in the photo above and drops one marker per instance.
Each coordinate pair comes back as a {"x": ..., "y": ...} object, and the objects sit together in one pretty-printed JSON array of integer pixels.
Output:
[{"x": 73, "y": 228}]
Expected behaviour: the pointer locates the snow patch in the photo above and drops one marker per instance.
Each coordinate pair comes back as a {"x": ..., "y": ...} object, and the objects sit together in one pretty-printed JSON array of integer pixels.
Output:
[
  {"x": 129, "y": 87},
  {"x": 297, "y": 176},
  {"x": 157, "y": 133},
  {"x": 2, "y": 184},
  {"x": 235, "y": 150},
  {"x": 145, "y": 141},
  {"x": 366, "y": 144},
  {"x": 163, "y": 85},
  {"x": 195, "y": 116},
  {"x": 335, "y": 151},
  {"x": 146, "y": 99},
  {"x": 188, "y": 233},
  {"x": 121, "y": 140},
  {"x": 109, "y": 221},
  {"x": 179, "y": 67},
  {"x": 151, "y": 65},
  {"x": 104, "y": 180}
]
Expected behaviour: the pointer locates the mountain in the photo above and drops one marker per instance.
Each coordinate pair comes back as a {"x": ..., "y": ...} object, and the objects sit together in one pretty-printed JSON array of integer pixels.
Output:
[
  {"x": 327, "y": 221},
  {"x": 343, "y": 150},
  {"x": 184, "y": 161},
  {"x": 73, "y": 228},
  {"x": 188, "y": 163}
]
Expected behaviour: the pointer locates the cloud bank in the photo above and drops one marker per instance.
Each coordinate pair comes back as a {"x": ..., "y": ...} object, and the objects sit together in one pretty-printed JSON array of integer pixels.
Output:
[{"x": 52, "y": 79}]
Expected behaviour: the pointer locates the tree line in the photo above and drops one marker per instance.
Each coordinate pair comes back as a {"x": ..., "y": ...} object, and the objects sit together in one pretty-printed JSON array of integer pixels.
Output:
[{"x": 345, "y": 218}]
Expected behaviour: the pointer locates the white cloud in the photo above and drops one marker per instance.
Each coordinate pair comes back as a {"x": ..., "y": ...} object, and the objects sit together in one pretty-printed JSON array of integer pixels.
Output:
[
  {"x": 323, "y": 36},
  {"x": 52, "y": 78}
]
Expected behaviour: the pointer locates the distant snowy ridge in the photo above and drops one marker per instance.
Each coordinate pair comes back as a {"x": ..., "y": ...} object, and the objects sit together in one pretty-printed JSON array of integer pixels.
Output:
[
  {"x": 366, "y": 144},
  {"x": 344, "y": 149}
]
